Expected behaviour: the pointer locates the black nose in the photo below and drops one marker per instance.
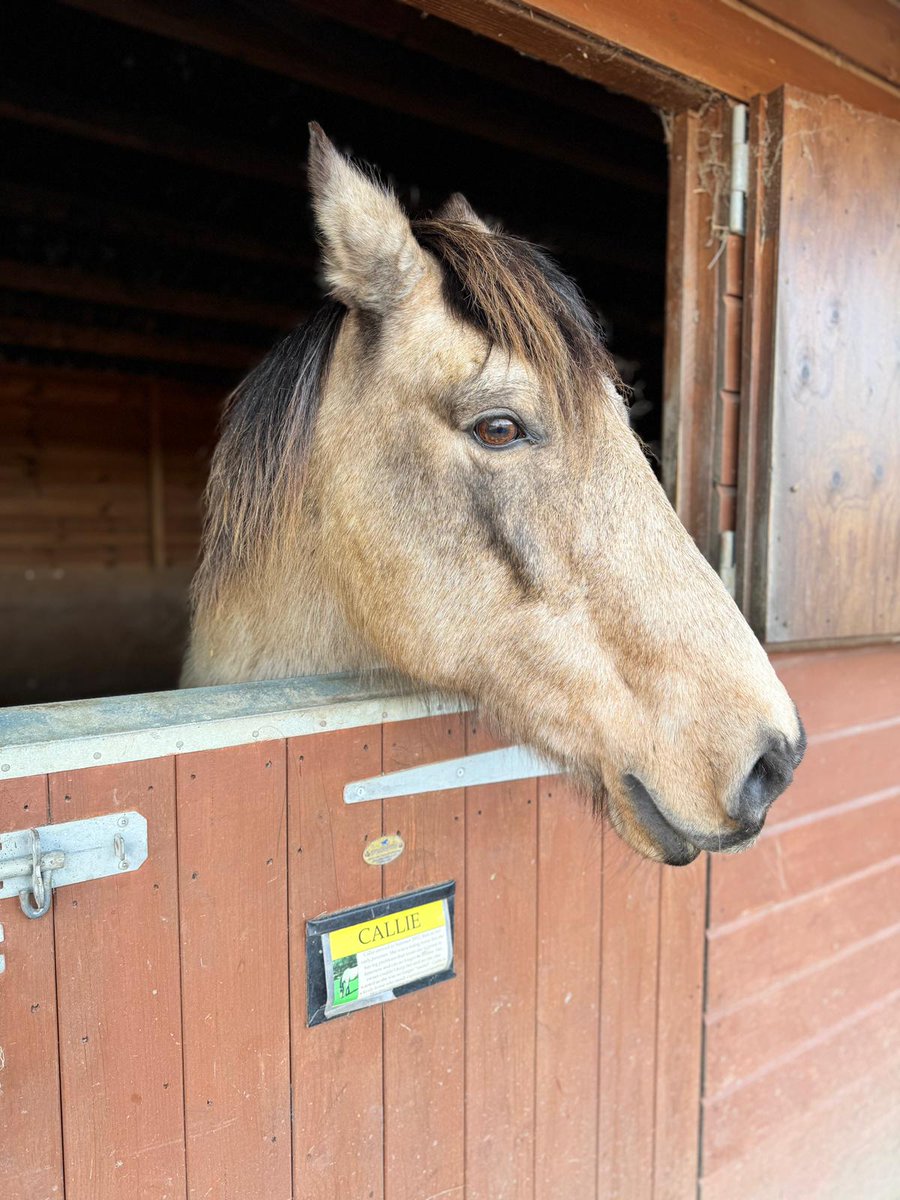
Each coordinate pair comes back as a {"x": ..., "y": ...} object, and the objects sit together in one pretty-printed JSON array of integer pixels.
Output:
[{"x": 771, "y": 774}]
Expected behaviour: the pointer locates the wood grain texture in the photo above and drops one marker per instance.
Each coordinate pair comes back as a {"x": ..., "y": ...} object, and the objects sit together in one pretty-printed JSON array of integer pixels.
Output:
[
  {"x": 804, "y": 959},
  {"x": 743, "y": 1116},
  {"x": 336, "y": 1072},
  {"x": 867, "y": 32},
  {"x": 118, "y": 984},
  {"x": 821, "y": 503},
  {"x": 567, "y": 1066},
  {"x": 31, "y": 1164},
  {"x": 501, "y": 933},
  {"x": 727, "y": 47},
  {"x": 679, "y": 1030},
  {"x": 628, "y": 1016},
  {"x": 232, "y": 852},
  {"x": 424, "y": 1032},
  {"x": 692, "y": 366}
]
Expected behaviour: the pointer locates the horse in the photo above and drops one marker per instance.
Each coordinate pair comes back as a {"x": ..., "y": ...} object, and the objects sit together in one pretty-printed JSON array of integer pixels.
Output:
[{"x": 435, "y": 475}]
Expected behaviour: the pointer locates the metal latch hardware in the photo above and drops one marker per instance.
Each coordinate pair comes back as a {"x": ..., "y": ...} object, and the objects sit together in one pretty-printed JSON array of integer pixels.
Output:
[
  {"x": 493, "y": 766},
  {"x": 35, "y": 861}
]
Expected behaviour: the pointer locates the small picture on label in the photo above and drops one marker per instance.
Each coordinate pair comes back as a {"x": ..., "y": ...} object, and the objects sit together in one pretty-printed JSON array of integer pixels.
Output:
[{"x": 346, "y": 980}]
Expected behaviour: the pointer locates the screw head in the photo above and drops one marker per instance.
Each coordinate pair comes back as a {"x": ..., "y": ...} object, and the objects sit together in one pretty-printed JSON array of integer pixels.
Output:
[
  {"x": 123, "y": 821},
  {"x": 124, "y": 864}
]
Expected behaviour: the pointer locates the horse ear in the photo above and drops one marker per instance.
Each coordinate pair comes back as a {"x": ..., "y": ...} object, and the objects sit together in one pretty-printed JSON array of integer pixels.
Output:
[
  {"x": 372, "y": 260},
  {"x": 457, "y": 208}
]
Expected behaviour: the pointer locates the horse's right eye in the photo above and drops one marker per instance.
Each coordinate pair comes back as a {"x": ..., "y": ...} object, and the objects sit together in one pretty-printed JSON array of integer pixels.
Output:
[{"x": 496, "y": 432}]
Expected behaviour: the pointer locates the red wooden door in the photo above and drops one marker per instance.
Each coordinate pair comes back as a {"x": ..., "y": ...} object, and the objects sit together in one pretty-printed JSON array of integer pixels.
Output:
[{"x": 153, "y": 1031}]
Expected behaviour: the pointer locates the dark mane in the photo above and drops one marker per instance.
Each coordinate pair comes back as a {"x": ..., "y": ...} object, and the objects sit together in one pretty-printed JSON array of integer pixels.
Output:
[
  {"x": 504, "y": 286},
  {"x": 260, "y": 460},
  {"x": 519, "y": 298}
]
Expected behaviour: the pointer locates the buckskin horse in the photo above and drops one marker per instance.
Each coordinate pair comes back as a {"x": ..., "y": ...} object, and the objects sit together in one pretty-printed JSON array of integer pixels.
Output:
[{"x": 435, "y": 475}]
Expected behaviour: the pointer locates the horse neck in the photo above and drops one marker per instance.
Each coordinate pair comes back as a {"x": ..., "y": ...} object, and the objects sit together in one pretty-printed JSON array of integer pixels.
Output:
[{"x": 278, "y": 621}]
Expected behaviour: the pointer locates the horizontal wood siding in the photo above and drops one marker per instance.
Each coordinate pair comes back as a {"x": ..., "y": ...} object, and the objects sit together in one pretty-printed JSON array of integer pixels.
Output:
[
  {"x": 101, "y": 476},
  {"x": 75, "y": 467},
  {"x": 802, "y": 1062}
]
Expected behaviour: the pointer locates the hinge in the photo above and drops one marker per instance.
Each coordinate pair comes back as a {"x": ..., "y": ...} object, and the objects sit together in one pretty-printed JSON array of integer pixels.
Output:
[
  {"x": 740, "y": 169},
  {"x": 35, "y": 861},
  {"x": 493, "y": 766}
]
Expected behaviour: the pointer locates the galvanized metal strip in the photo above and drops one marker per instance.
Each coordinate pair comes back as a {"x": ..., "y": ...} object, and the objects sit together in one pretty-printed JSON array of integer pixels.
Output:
[
  {"x": 493, "y": 766},
  {"x": 35, "y": 739},
  {"x": 112, "y": 844}
]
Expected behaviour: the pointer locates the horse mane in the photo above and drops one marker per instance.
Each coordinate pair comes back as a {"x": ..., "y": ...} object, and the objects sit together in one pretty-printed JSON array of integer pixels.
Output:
[{"x": 503, "y": 285}]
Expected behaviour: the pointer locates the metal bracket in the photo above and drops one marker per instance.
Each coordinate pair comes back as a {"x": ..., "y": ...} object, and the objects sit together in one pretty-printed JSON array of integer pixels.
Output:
[
  {"x": 493, "y": 766},
  {"x": 35, "y": 861}
]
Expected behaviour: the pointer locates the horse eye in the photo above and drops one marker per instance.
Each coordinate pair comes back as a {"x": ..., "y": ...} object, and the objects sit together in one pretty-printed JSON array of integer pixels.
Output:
[{"x": 498, "y": 431}]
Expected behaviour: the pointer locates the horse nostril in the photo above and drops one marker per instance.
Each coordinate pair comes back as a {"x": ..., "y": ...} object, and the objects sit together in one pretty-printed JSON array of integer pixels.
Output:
[{"x": 770, "y": 775}]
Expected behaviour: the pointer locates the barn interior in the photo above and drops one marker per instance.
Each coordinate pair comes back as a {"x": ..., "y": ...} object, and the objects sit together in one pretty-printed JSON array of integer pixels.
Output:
[{"x": 157, "y": 241}]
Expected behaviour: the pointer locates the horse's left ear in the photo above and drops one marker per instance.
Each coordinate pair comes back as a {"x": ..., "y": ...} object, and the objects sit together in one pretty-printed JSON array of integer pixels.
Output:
[{"x": 372, "y": 260}]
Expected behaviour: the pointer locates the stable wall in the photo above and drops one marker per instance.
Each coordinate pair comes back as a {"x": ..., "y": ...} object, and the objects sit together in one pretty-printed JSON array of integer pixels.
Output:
[
  {"x": 802, "y": 1021},
  {"x": 99, "y": 528}
]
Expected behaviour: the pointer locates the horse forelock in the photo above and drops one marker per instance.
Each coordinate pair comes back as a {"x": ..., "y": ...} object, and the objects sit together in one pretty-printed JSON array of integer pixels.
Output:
[{"x": 524, "y": 303}]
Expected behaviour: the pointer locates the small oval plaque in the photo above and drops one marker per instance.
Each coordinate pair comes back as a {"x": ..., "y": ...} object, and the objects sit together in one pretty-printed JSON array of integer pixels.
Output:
[{"x": 384, "y": 850}]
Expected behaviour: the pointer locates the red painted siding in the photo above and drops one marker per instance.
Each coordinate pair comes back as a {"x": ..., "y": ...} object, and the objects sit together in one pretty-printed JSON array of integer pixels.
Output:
[{"x": 802, "y": 1053}]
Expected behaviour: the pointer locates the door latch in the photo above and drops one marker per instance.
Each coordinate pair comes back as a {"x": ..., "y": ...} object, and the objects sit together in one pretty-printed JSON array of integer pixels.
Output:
[{"x": 35, "y": 861}]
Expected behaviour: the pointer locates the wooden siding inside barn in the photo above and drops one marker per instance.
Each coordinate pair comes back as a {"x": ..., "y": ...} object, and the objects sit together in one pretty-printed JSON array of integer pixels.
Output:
[{"x": 100, "y": 485}]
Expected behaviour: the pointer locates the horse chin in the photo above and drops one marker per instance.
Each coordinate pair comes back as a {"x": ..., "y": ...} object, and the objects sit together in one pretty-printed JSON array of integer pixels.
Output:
[{"x": 639, "y": 824}]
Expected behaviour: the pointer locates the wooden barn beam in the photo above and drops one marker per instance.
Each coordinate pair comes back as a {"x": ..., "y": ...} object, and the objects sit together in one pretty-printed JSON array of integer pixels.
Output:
[
  {"x": 74, "y": 284},
  {"x": 118, "y": 343},
  {"x": 458, "y": 47},
  {"x": 119, "y": 220},
  {"x": 586, "y": 55},
  {"x": 285, "y": 48}
]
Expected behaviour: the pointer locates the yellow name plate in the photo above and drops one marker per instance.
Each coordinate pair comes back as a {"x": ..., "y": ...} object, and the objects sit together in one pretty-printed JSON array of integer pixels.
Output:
[{"x": 376, "y": 952}]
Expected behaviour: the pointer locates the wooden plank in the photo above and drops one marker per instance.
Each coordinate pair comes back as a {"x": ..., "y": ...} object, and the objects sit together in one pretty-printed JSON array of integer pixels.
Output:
[
  {"x": 567, "y": 1063},
  {"x": 842, "y": 690},
  {"x": 753, "y": 953},
  {"x": 462, "y": 49},
  {"x": 787, "y": 863},
  {"x": 820, "y": 508},
  {"x": 111, "y": 219},
  {"x": 31, "y": 1166},
  {"x": 693, "y": 316},
  {"x": 336, "y": 1067},
  {"x": 232, "y": 854},
  {"x": 424, "y": 1032},
  {"x": 741, "y": 1119},
  {"x": 118, "y": 986},
  {"x": 288, "y": 42},
  {"x": 843, "y": 1142},
  {"x": 57, "y": 335},
  {"x": 840, "y": 770},
  {"x": 677, "y": 41},
  {"x": 628, "y": 1012},
  {"x": 501, "y": 938},
  {"x": 742, "y": 1041},
  {"x": 867, "y": 32},
  {"x": 679, "y": 1030},
  {"x": 75, "y": 284}
]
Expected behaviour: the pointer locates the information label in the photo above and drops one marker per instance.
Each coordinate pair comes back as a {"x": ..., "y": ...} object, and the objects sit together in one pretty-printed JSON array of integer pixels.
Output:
[{"x": 376, "y": 952}]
